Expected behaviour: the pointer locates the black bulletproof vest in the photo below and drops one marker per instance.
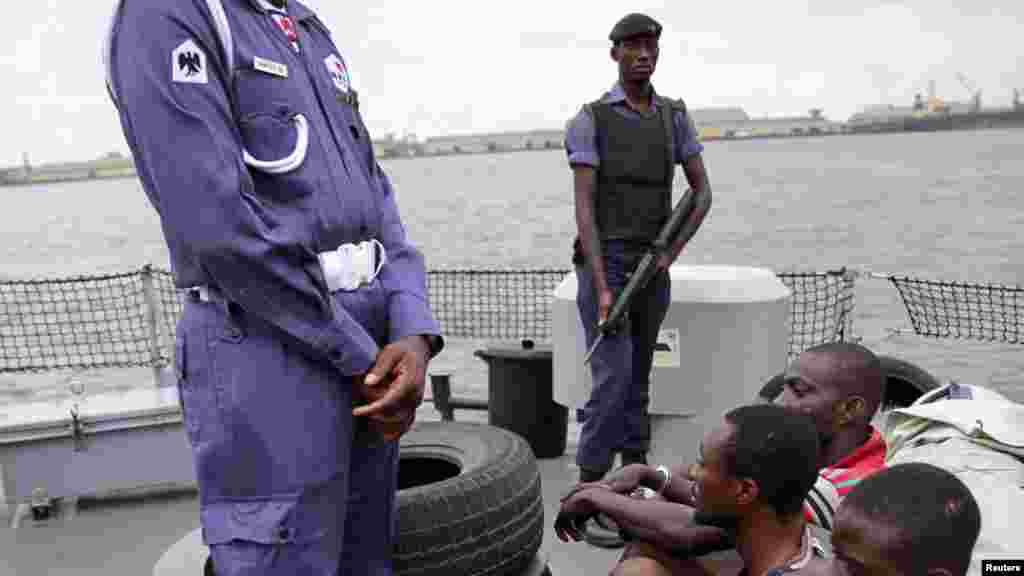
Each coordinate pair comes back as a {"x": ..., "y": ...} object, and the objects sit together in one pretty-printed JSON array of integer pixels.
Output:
[{"x": 634, "y": 180}]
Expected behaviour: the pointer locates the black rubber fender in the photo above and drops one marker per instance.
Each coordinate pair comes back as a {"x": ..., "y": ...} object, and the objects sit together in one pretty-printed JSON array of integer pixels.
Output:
[
  {"x": 904, "y": 383},
  {"x": 772, "y": 389},
  {"x": 469, "y": 502}
]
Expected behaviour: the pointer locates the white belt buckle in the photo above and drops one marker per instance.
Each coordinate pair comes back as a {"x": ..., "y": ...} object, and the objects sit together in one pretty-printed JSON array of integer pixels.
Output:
[{"x": 352, "y": 266}]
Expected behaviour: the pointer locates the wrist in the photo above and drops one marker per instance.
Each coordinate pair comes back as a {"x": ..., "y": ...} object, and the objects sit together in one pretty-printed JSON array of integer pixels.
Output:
[{"x": 585, "y": 497}]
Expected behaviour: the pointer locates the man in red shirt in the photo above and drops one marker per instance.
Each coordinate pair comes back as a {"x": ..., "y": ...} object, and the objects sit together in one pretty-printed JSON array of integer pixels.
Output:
[{"x": 840, "y": 385}]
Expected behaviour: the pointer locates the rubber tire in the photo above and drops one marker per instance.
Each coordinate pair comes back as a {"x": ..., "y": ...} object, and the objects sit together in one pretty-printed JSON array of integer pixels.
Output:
[
  {"x": 488, "y": 520},
  {"x": 773, "y": 388},
  {"x": 904, "y": 383}
]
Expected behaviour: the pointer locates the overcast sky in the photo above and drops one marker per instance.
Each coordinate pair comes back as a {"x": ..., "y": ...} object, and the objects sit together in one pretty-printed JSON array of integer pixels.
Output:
[{"x": 447, "y": 66}]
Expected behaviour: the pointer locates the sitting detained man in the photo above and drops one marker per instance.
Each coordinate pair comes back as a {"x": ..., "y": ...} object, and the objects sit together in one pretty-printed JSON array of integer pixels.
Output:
[
  {"x": 748, "y": 487},
  {"x": 909, "y": 519},
  {"x": 840, "y": 385}
]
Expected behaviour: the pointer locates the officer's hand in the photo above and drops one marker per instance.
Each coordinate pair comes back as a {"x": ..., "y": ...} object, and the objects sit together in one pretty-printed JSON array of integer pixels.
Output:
[
  {"x": 395, "y": 384},
  {"x": 604, "y": 305},
  {"x": 387, "y": 426},
  {"x": 392, "y": 427}
]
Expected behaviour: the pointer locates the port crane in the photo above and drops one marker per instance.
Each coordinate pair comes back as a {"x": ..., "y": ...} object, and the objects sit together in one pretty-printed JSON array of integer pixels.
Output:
[
  {"x": 972, "y": 89},
  {"x": 933, "y": 105}
]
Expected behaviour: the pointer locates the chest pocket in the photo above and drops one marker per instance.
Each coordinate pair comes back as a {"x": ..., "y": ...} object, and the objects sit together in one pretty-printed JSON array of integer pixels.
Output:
[{"x": 277, "y": 136}]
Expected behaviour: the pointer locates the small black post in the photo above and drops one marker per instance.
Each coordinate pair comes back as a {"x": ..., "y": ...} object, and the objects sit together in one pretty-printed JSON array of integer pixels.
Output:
[{"x": 441, "y": 390}]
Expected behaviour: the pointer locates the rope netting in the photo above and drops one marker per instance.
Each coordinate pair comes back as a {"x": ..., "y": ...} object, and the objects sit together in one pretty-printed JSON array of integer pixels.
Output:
[
  {"x": 129, "y": 320},
  {"x": 98, "y": 321},
  {"x": 499, "y": 304},
  {"x": 983, "y": 312},
  {"x": 169, "y": 303},
  {"x": 821, "y": 308}
]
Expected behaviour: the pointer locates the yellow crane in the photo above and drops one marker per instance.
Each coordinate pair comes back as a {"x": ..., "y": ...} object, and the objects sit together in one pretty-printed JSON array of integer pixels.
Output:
[{"x": 934, "y": 104}]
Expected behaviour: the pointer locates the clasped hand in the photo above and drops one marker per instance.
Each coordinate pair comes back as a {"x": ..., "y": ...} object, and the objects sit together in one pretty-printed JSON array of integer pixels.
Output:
[
  {"x": 577, "y": 506},
  {"x": 393, "y": 388}
]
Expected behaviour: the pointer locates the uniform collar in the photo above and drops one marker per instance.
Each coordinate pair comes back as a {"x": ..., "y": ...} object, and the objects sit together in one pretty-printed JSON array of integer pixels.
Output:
[
  {"x": 295, "y": 9},
  {"x": 617, "y": 95}
]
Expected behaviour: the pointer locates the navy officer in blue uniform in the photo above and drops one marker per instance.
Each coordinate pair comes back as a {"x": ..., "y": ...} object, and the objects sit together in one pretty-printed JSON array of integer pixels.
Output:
[
  {"x": 623, "y": 149},
  {"x": 301, "y": 352}
]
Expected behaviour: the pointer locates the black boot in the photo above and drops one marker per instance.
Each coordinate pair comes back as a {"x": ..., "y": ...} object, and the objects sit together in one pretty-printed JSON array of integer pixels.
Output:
[{"x": 588, "y": 475}]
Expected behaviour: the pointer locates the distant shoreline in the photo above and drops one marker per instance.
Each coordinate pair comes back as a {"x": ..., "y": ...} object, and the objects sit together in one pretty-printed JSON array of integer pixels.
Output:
[
  {"x": 43, "y": 178},
  {"x": 85, "y": 174},
  {"x": 103, "y": 170}
]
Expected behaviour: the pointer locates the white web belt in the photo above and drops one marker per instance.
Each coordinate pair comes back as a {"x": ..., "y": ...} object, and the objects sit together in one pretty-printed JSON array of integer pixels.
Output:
[
  {"x": 351, "y": 266},
  {"x": 346, "y": 268}
]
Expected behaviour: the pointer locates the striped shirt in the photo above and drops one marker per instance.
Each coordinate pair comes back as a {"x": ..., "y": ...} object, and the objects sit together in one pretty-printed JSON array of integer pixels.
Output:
[{"x": 835, "y": 481}]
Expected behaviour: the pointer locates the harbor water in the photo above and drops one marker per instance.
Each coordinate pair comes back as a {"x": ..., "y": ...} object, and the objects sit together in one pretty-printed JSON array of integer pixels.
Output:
[{"x": 941, "y": 206}]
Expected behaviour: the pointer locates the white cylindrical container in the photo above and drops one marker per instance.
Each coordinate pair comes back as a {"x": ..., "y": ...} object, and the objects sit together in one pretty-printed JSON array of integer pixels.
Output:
[{"x": 726, "y": 333}]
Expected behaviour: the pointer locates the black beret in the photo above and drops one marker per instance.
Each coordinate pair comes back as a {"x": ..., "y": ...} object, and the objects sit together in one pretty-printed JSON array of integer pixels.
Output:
[{"x": 635, "y": 25}]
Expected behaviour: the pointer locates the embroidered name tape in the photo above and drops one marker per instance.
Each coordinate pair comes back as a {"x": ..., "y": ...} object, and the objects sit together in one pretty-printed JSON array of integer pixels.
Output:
[{"x": 270, "y": 67}]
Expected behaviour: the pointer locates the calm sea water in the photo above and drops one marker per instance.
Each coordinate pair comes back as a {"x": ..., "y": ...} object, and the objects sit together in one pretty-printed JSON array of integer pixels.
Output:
[{"x": 943, "y": 206}]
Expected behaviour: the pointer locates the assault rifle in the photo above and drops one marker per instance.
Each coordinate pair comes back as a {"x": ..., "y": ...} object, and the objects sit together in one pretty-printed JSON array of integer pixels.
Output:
[{"x": 645, "y": 270}]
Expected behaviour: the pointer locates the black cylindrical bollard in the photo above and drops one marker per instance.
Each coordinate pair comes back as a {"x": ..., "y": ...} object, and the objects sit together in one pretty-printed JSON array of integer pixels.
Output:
[{"x": 520, "y": 397}]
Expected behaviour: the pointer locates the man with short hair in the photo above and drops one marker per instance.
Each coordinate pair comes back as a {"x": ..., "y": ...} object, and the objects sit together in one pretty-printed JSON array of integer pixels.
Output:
[
  {"x": 623, "y": 150},
  {"x": 840, "y": 385},
  {"x": 749, "y": 484},
  {"x": 911, "y": 518}
]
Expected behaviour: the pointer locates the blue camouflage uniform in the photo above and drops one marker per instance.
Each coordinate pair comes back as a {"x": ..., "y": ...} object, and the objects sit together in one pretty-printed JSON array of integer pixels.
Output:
[
  {"x": 615, "y": 417},
  {"x": 265, "y": 353}
]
